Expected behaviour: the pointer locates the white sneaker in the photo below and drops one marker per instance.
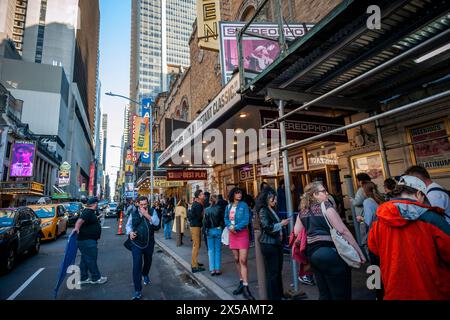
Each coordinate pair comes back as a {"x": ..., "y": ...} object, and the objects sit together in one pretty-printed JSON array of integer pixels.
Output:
[
  {"x": 102, "y": 280},
  {"x": 87, "y": 281}
]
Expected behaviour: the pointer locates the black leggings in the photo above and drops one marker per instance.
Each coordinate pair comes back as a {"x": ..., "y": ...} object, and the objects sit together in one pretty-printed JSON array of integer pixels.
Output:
[
  {"x": 333, "y": 275},
  {"x": 273, "y": 263}
]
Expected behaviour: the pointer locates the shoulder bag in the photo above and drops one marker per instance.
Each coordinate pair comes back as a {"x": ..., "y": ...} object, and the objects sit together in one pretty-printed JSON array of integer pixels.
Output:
[{"x": 344, "y": 248}]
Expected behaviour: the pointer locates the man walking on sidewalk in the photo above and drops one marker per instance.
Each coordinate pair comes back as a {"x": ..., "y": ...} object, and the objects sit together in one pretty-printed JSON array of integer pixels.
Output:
[
  {"x": 89, "y": 231},
  {"x": 196, "y": 222},
  {"x": 140, "y": 228}
]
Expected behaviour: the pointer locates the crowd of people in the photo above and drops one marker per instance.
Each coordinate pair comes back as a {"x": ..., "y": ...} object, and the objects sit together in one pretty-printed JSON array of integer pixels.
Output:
[{"x": 404, "y": 230}]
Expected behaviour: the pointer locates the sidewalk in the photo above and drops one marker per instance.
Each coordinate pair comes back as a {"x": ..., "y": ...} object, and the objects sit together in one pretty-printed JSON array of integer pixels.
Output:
[{"x": 224, "y": 285}]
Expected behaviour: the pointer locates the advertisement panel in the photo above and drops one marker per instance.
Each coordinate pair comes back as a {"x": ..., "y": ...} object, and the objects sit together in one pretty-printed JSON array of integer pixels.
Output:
[
  {"x": 258, "y": 53},
  {"x": 184, "y": 175},
  {"x": 64, "y": 174},
  {"x": 431, "y": 145},
  {"x": 22, "y": 159},
  {"x": 91, "y": 179},
  {"x": 141, "y": 133},
  {"x": 146, "y": 107}
]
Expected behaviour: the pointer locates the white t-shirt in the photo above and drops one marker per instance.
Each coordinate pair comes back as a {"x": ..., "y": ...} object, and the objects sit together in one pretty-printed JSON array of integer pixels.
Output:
[{"x": 439, "y": 199}]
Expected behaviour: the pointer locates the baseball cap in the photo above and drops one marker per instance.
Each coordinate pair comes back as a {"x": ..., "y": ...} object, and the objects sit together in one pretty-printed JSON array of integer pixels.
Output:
[
  {"x": 414, "y": 183},
  {"x": 92, "y": 200}
]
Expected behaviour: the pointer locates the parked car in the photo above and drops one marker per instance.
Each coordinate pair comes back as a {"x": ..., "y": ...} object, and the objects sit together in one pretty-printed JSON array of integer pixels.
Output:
[
  {"x": 111, "y": 210},
  {"x": 20, "y": 232},
  {"x": 54, "y": 220},
  {"x": 74, "y": 210}
]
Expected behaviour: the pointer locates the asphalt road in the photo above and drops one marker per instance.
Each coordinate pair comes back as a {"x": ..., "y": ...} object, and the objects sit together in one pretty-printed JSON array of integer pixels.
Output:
[{"x": 34, "y": 277}]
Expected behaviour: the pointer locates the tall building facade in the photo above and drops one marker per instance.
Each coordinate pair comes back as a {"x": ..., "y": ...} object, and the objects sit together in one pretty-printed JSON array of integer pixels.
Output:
[
  {"x": 160, "y": 34},
  {"x": 55, "y": 74}
]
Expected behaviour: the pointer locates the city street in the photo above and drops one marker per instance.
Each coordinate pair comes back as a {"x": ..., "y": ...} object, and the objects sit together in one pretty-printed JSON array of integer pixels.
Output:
[{"x": 168, "y": 281}]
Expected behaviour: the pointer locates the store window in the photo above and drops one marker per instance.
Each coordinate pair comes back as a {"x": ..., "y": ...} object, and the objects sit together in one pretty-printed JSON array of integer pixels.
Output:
[
  {"x": 372, "y": 164},
  {"x": 430, "y": 145}
]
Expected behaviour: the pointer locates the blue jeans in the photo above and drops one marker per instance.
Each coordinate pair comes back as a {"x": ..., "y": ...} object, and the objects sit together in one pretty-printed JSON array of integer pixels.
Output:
[
  {"x": 168, "y": 230},
  {"x": 214, "y": 248},
  {"x": 140, "y": 270},
  {"x": 89, "y": 252}
]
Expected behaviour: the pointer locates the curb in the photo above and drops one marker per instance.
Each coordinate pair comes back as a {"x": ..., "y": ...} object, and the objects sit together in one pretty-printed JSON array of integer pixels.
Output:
[{"x": 209, "y": 284}]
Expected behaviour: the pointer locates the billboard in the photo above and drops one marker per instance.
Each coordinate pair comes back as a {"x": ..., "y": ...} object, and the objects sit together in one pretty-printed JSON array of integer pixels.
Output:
[
  {"x": 258, "y": 53},
  {"x": 141, "y": 134},
  {"x": 64, "y": 174},
  {"x": 91, "y": 179},
  {"x": 22, "y": 159}
]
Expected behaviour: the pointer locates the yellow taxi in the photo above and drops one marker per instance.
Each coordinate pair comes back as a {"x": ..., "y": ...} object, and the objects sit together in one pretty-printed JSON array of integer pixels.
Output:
[{"x": 54, "y": 219}]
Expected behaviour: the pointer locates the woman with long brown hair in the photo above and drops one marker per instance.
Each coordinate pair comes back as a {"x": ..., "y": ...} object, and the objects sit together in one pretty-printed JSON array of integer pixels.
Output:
[
  {"x": 373, "y": 199},
  {"x": 333, "y": 275}
]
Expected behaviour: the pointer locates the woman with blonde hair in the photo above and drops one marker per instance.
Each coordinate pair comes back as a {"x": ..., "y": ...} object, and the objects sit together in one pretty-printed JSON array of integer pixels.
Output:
[
  {"x": 333, "y": 275},
  {"x": 180, "y": 211}
]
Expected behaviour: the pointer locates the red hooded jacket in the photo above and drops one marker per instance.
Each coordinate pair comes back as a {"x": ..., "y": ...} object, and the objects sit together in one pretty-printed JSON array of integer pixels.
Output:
[{"x": 413, "y": 243}]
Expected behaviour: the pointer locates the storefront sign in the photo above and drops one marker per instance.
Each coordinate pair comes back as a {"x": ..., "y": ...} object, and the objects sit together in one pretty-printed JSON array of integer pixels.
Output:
[
  {"x": 21, "y": 187},
  {"x": 163, "y": 183},
  {"x": 431, "y": 146},
  {"x": 258, "y": 53},
  {"x": 208, "y": 17},
  {"x": 183, "y": 175},
  {"x": 246, "y": 173},
  {"x": 300, "y": 127},
  {"x": 321, "y": 157},
  {"x": 225, "y": 100},
  {"x": 22, "y": 159}
]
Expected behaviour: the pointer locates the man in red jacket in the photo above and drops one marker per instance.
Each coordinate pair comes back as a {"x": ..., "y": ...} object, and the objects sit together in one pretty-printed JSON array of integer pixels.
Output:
[{"x": 413, "y": 242}]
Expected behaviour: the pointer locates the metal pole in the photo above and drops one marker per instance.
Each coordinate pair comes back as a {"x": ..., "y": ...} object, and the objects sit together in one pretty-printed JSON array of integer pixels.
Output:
[
  {"x": 151, "y": 152},
  {"x": 369, "y": 73},
  {"x": 287, "y": 187},
  {"x": 382, "y": 149},
  {"x": 365, "y": 121}
]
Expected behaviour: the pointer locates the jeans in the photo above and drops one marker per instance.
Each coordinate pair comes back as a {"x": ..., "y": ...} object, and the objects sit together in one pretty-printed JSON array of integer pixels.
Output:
[
  {"x": 214, "y": 248},
  {"x": 88, "y": 264},
  {"x": 333, "y": 275},
  {"x": 273, "y": 262},
  {"x": 138, "y": 269},
  {"x": 168, "y": 230}
]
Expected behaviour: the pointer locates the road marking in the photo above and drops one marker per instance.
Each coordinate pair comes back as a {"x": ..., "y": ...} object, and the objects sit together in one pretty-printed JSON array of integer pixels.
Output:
[{"x": 22, "y": 287}]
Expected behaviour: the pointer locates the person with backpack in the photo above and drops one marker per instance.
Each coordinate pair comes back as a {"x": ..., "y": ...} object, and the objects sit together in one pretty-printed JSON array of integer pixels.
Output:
[
  {"x": 412, "y": 241},
  {"x": 213, "y": 223},
  {"x": 140, "y": 227},
  {"x": 436, "y": 194}
]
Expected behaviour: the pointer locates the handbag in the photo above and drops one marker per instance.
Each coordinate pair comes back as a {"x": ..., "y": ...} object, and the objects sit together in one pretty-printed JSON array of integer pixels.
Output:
[
  {"x": 343, "y": 247},
  {"x": 226, "y": 236},
  {"x": 128, "y": 243}
]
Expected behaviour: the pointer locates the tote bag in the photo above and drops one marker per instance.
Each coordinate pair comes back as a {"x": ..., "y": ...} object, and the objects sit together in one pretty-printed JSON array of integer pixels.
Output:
[
  {"x": 226, "y": 236},
  {"x": 343, "y": 247}
]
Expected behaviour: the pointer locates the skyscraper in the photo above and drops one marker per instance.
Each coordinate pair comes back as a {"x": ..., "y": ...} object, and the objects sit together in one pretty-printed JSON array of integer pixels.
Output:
[{"x": 160, "y": 34}]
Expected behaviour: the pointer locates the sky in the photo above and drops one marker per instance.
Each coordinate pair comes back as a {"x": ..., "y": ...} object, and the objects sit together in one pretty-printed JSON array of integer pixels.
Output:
[{"x": 115, "y": 28}]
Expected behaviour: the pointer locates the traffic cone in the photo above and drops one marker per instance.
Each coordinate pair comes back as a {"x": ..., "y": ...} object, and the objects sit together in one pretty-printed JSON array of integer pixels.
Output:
[{"x": 120, "y": 232}]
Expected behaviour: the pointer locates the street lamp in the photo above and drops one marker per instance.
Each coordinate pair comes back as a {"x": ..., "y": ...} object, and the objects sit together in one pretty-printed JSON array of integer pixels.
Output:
[{"x": 150, "y": 135}]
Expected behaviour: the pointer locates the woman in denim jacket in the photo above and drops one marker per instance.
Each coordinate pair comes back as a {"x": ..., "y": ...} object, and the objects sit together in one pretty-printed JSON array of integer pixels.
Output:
[{"x": 237, "y": 218}]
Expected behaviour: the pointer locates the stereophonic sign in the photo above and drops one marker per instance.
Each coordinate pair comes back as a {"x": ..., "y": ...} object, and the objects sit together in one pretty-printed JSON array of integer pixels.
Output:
[
  {"x": 184, "y": 175},
  {"x": 258, "y": 53},
  {"x": 299, "y": 126},
  {"x": 22, "y": 159},
  {"x": 208, "y": 17}
]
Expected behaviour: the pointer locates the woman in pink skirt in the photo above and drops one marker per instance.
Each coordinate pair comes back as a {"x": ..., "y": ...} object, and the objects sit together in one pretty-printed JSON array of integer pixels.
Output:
[{"x": 237, "y": 218}]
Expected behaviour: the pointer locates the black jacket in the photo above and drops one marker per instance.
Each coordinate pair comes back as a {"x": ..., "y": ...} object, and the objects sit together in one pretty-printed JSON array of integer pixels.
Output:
[
  {"x": 168, "y": 215},
  {"x": 196, "y": 215},
  {"x": 143, "y": 228},
  {"x": 267, "y": 223},
  {"x": 214, "y": 218}
]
